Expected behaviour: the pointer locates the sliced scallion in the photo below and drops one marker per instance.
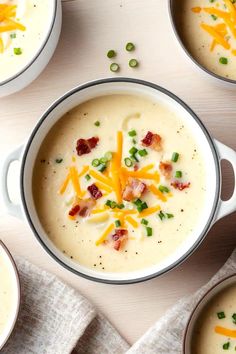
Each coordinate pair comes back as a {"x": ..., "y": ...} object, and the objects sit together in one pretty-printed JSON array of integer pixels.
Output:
[
  {"x": 108, "y": 155},
  {"x": 178, "y": 174},
  {"x": 102, "y": 167},
  {"x": 143, "y": 152},
  {"x": 223, "y": 60},
  {"x": 95, "y": 163},
  {"x": 175, "y": 157},
  {"x": 111, "y": 53},
  {"x": 149, "y": 231},
  {"x": 87, "y": 177},
  {"x": 17, "y": 51},
  {"x": 97, "y": 123},
  {"x": 163, "y": 189},
  {"x": 114, "y": 67},
  {"x": 221, "y": 315},
  {"x": 226, "y": 346},
  {"x": 132, "y": 133},
  {"x": 130, "y": 46},
  {"x": 128, "y": 162},
  {"x": 144, "y": 222},
  {"x": 117, "y": 223},
  {"x": 133, "y": 63}
]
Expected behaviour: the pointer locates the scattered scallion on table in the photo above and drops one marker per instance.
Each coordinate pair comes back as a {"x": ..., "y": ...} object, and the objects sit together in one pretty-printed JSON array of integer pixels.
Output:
[
  {"x": 111, "y": 53},
  {"x": 130, "y": 46},
  {"x": 133, "y": 63},
  {"x": 114, "y": 67},
  {"x": 128, "y": 162}
]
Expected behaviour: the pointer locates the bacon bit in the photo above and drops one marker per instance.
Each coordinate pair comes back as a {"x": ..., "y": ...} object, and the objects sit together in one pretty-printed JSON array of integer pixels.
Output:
[
  {"x": 94, "y": 191},
  {"x": 180, "y": 185},
  {"x": 74, "y": 210},
  {"x": 166, "y": 169},
  {"x": 86, "y": 207},
  {"x": 84, "y": 146},
  {"x": 134, "y": 189},
  {"x": 153, "y": 141},
  {"x": 136, "y": 167},
  {"x": 119, "y": 237}
]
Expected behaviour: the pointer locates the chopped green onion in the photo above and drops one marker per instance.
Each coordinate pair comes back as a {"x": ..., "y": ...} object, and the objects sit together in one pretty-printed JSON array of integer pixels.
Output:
[
  {"x": 161, "y": 215},
  {"x": 226, "y": 346},
  {"x": 149, "y": 231},
  {"x": 108, "y": 155},
  {"x": 59, "y": 160},
  {"x": 169, "y": 216},
  {"x": 117, "y": 223},
  {"x": 175, "y": 157},
  {"x": 114, "y": 67},
  {"x": 95, "y": 163},
  {"x": 144, "y": 222},
  {"x": 13, "y": 35},
  {"x": 140, "y": 205},
  {"x": 211, "y": 0},
  {"x": 138, "y": 202},
  {"x": 133, "y": 63},
  {"x": 102, "y": 167},
  {"x": 134, "y": 158},
  {"x": 214, "y": 17},
  {"x": 87, "y": 177},
  {"x": 133, "y": 151},
  {"x": 113, "y": 205},
  {"x": 128, "y": 162},
  {"x": 221, "y": 315},
  {"x": 163, "y": 189},
  {"x": 234, "y": 318},
  {"x": 178, "y": 174},
  {"x": 120, "y": 206},
  {"x": 132, "y": 133},
  {"x": 130, "y": 46},
  {"x": 108, "y": 203},
  {"x": 103, "y": 160},
  {"x": 142, "y": 152},
  {"x": 97, "y": 123},
  {"x": 223, "y": 60},
  {"x": 111, "y": 53},
  {"x": 17, "y": 51},
  {"x": 134, "y": 141}
]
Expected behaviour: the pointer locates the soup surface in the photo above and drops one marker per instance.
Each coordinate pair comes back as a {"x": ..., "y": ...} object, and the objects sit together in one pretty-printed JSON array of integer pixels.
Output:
[
  {"x": 119, "y": 183},
  {"x": 208, "y": 29},
  {"x": 215, "y": 331},
  {"x": 7, "y": 292},
  {"x": 24, "y": 25}
]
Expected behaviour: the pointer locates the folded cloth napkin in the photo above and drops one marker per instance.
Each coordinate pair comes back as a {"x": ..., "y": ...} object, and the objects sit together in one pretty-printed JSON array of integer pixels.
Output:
[
  {"x": 55, "y": 319},
  {"x": 166, "y": 336}
]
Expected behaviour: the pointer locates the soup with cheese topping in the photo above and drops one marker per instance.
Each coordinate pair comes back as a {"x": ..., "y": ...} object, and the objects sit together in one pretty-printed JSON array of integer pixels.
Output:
[
  {"x": 215, "y": 331},
  {"x": 119, "y": 183},
  {"x": 208, "y": 30},
  {"x": 24, "y": 25}
]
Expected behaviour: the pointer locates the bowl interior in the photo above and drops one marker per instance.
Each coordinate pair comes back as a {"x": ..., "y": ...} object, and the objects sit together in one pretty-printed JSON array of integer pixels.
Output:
[
  {"x": 201, "y": 305},
  {"x": 108, "y": 87},
  {"x": 15, "y": 286}
]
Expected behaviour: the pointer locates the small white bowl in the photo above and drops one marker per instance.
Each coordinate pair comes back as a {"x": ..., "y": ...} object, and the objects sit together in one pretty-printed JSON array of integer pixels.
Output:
[
  {"x": 16, "y": 288},
  {"x": 41, "y": 58},
  {"x": 209, "y": 295}
]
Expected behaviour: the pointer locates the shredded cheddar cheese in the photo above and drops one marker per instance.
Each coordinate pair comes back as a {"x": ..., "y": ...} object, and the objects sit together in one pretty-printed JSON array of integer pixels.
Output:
[
  {"x": 75, "y": 181},
  {"x": 65, "y": 184},
  {"x": 139, "y": 174},
  {"x": 157, "y": 193},
  {"x": 105, "y": 234},
  {"x": 225, "y": 332},
  {"x": 131, "y": 221},
  {"x": 149, "y": 211},
  {"x": 196, "y": 9},
  {"x": 103, "y": 179}
]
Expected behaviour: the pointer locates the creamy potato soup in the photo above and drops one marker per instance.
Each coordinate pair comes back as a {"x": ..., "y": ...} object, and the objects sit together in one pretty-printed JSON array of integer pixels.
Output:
[
  {"x": 24, "y": 25},
  {"x": 7, "y": 292},
  {"x": 215, "y": 331},
  {"x": 119, "y": 183},
  {"x": 208, "y": 29}
]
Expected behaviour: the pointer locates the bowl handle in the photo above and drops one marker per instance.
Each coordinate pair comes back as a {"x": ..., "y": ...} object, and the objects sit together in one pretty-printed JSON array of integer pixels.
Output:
[
  {"x": 11, "y": 208},
  {"x": 228, "y": 206}
]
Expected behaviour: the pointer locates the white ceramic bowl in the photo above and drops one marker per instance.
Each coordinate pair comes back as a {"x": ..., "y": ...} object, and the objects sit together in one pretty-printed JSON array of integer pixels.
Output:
[
  {"x": 17, "y": 294},
  {"x": 210, "y": 294},
  {"x": 41, "y": 58},
  {"x": 214, "y": 151},
  {"x": 220, "y": 80}
]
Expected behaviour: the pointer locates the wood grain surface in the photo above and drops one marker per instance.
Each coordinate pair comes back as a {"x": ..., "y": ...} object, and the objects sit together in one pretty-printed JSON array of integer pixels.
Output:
[{"x": 90, "y": 28}]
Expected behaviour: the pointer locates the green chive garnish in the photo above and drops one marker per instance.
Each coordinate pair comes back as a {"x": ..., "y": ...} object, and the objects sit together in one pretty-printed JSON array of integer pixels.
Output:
[
  {"x": 87, "y": 177},
  {"x": 226, "y": 346},
  {"x": 223, "y": 60},
  {"x": 144, "y": 222},
  {"x": 108, "y": 155},
  {"x": 111, "y": 53},
  {"x": 161, "y": 215},
  {"x": 163, "y": 189},
  {"x": 169, "y": 216},
  {"x": 234, "y": 318},
  {"x": 114, "y": 67},
  {"x": 113, "y": 205},
  {"x": 117, "y": 223},
  {"x": 178, "y": 174},
  {"x": 149, "y": 231},
  {"x": 130, "y": 46},
  {"x": 214, "y": 17},
  {"x": 140, "y": 205},
  {"x": 142, "y": 152},
  {"x": 95, "y": 163},
  {"x": 102, "y": 167},
  {"x": 103, "y": 160},
  {"x": 221, "y": 315},
  {"x": 17, "y": 51},
  {"x": 108, "y": 203},
  {"x": 133, "y": 151},
  {"x": 59, "y": 160},
  {"x": 133, "y": 63},
  {"x": 120, "y": 206},
  {"x": 175, "y": 157},
  {"x": 134, "y": 141},
  {"x": 132, "y": 133},
  {"x": 128, "y": 162},
  {"x": 13, "y": 35},
  {"x": 97, "y": 123}
]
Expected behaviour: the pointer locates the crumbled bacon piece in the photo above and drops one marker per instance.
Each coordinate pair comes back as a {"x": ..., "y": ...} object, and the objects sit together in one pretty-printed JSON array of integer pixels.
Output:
[
  {"x": 133, "y": 190},
  {"x": 136, "y": 167},
  {"x": 152, "y": 140},
  {"x": 180, "y": 185},
  {"x": 74, "y": 210},
  {"x": 166, "y": 169},
  {"x": 94, "y": 191},
  {"x": 84, "y": 146},
  {"x": 85, "y": 207},
  {"x": 119, "y": 237}
]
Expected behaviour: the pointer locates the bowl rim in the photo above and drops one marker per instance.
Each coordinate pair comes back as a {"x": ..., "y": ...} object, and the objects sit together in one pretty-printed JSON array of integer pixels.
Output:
[
  {"x": 199, "y": 303},
  {"x": 39, "y": 51},
  {"x": 193, "y": 115},
  {"x": 18, "y": 286},
  {"x": 187, "y": 53}
]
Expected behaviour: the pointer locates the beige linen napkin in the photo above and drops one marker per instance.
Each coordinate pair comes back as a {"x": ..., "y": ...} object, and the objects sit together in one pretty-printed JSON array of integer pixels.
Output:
[
  {"x": 55, "y": 319},
  {"x": 166, "y": 336}
]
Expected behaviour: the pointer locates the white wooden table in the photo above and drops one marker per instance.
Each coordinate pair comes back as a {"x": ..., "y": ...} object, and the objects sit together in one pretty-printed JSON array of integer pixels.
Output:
[{"x": 90, "y": 28}]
